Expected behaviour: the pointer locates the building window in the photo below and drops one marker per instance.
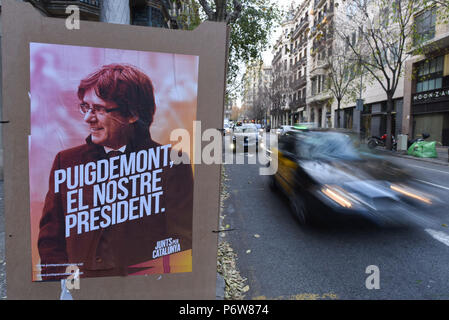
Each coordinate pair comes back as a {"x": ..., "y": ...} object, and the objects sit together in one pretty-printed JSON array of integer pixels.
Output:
[
  {"x": 430, "y": 74},
  {"x": 140, "y": 16},
  {"x": 425, "y": 26}
]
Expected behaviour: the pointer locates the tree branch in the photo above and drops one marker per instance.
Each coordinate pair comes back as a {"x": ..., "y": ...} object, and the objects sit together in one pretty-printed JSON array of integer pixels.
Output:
[
  {"x": 236, "y": 13},
  {"x": 207, "y": 9}
]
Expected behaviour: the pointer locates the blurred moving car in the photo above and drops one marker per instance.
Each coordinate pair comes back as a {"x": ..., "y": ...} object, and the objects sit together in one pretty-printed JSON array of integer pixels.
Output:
[
  {"x": 283, "y": 129},
  {"x": 298, "y": 126},
  {"x": 325, "y": 176},
  {"x": 245, "y": 137}
]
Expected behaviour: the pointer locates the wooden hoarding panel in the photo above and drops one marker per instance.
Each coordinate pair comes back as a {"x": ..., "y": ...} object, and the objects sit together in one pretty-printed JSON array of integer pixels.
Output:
[{"x": 43, "y": 63}]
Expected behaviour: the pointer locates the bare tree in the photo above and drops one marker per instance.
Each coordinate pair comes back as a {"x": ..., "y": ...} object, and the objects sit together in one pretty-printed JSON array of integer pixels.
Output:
[
  {"x": 235, "y": 113},
  {"x": 443, "y": 3},
  {"x": 443, "y": 9},
  {"x": 276, "y": 104},
  {"x": 378, "y": 33},
  {"x": 340, "y": 79},
  {"x": 342, "y": 67},
  {"x": 262, "y": 102}
]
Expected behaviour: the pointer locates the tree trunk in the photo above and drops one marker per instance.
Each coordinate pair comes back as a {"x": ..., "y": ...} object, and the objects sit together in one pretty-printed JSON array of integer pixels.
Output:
[
  {"x": 221, "y": 10},
  {"x": 338, "y": 112},
  {"x": 389, "y": 132},
  {"x": 115, "y": 11}
]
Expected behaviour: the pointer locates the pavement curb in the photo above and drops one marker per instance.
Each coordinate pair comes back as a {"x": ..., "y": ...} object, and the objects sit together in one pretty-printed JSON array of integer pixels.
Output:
[{"x": 428, "y": 160}]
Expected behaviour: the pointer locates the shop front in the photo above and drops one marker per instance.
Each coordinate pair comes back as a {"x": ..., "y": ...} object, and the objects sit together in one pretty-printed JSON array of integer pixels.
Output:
[{"x": 430, "y": 111}]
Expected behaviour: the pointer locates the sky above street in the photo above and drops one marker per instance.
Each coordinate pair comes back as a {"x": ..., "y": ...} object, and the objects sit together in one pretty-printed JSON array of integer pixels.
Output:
[{"x": 267, "y": 55}]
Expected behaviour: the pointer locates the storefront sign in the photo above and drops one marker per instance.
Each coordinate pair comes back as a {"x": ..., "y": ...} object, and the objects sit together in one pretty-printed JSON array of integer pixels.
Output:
[{"x": 431, "y": 96}]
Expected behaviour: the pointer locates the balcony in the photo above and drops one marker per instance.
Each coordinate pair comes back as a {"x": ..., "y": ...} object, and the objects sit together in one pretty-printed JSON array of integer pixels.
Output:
[
  {"x": 321, "y": 63},
  {"x": 319, "y": 97},
  {"x": 319, "y": 66},
  {"x": 298, "y": 83},
  {"x": 89, "y": 9},
  {"x": 318, "y": 3},
  {"x": 322, "y": 20},
  {"x": 303, "y": 42},
  {"x": 300, "y": 27},
  {"x": 284, "y": 105},
  {"x": 277, "y": 56},
  {"x": 277, "y": 82},
  {"x": 297, "y": 103},
  {"x": 322, "y": 41},
  {"x": 300, "y": 62}
]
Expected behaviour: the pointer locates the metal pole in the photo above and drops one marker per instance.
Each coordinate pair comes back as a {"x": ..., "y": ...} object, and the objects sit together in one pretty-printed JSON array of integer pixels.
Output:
[{"x": 361, "y": 77}]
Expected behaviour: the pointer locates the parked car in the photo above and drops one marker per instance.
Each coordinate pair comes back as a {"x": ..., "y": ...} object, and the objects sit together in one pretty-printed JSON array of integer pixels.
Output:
[
  {"x": 245, "y": 137},
  {"x": 226, "y": 129},
  {"x": 324, "y": 176}
]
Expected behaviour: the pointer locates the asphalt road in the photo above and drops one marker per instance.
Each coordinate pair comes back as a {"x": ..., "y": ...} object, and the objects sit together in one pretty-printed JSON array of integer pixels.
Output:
[{"x": 281, "y": 260}]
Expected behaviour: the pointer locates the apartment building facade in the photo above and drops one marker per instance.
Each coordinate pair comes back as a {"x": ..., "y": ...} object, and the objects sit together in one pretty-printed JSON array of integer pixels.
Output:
[
  {"x": 257, "y": 81},
  {"x": 321, "y": 38},
  {"x": 426, "y": 80},
  {"x": 372, "y": 120},
  {"x": 421, "y": 101},
  {"x": 280, "y": 111},
  {"x": 298, "y": 61},
  {"x": 299, "y": 65}
]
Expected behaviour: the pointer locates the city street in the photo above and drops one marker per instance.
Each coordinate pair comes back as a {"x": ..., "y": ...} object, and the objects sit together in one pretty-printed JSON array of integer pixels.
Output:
[{"x": 282, "y": 260}]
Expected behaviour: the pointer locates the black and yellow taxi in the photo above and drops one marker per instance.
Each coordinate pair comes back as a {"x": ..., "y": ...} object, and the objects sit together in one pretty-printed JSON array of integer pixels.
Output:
[{"x": 324, "y": 175}]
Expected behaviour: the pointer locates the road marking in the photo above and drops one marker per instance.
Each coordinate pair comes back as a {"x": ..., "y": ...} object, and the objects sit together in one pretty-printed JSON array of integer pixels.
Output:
[
  {"x": 439, "y": 235},
  {"x": 411, "y": 165},
  {"x": 432, "y": 184}
]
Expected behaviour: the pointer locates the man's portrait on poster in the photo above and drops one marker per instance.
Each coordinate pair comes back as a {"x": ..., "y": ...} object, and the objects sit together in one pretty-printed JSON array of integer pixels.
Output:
[{"x": 116, "y": 201}]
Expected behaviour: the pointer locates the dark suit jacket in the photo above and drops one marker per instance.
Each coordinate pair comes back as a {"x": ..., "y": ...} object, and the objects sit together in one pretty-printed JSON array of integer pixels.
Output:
[{"x": 110, "y": 251}]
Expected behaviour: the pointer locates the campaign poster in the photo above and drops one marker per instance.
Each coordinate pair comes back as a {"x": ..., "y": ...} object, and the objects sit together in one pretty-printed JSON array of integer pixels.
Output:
[{"x": 107, "y": 198}]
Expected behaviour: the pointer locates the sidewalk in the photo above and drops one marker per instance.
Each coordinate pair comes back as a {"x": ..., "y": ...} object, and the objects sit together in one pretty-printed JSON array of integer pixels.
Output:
[{"x": 442, "y": 158}]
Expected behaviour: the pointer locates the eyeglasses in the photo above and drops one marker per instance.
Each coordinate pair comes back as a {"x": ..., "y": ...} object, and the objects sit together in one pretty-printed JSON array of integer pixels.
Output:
[{"x": 97, "y": 109}]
